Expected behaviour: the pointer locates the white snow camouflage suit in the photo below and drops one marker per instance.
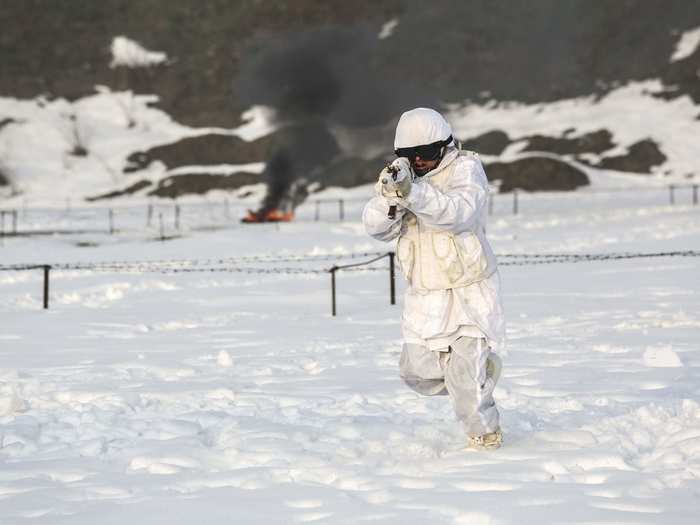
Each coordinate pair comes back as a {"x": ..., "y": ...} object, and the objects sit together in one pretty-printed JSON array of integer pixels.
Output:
[{"x": 452, "y": 316}]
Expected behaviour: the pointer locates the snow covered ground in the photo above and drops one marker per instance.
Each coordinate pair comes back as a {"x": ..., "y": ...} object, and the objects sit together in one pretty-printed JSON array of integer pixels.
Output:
[{"x": 236, "y": 398}]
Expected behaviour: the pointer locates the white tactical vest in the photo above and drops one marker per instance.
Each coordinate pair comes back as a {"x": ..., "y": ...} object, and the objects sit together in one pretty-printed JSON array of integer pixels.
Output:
[{"x": 433, "y": 259}]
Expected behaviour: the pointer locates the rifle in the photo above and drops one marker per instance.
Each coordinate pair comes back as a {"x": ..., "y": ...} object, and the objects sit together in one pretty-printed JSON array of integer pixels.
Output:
[{"x": 393, "y": 170}]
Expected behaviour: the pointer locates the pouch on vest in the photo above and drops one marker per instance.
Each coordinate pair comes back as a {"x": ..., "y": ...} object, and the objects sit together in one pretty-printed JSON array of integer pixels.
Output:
[{"x": 441, "y": 260}]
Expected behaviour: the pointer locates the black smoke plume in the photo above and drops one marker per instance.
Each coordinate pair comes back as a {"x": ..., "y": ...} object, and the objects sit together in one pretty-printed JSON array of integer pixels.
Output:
[
  {"x": 334, "y": 73},
  {"x": 316, "y": 80},
  {"x": 300, "y": 152}
]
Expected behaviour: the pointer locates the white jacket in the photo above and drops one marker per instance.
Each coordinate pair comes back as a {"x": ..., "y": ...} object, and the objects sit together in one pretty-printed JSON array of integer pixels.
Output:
[{"x": 444, "y": 254}]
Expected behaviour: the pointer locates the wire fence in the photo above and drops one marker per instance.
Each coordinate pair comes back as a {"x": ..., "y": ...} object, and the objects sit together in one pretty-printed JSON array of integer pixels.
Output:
[
  {"x": 230, "y": 264},
  {"x": 241, "y": 265},
  {"x": 555, "y": 258},
  {"x": 167, "y": 219}
]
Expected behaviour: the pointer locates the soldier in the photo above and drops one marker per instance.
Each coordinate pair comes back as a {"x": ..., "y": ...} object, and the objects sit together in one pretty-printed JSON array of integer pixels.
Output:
[{"x": 453, "y": 320}]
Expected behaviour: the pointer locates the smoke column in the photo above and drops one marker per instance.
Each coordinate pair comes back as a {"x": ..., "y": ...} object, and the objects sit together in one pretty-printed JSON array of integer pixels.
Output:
[{"x": 314, "y": 80}]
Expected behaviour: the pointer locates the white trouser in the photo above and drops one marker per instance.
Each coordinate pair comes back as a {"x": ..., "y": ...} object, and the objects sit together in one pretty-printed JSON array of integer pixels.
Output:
[{"x": 461, "y": 373}]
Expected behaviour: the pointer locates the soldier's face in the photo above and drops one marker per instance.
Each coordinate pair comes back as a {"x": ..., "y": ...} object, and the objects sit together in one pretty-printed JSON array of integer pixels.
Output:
[{"x": 421, "y": 166}]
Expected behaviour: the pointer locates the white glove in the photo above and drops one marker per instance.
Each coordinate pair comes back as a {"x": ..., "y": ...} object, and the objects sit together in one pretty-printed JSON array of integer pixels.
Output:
[{"x": 395, "y": 179}]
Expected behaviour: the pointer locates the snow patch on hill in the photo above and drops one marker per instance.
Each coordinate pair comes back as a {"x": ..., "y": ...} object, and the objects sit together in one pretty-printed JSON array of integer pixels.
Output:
[
  {"x": 687, "y": 44},
  {"x": 51, "y": 150},
  {"x": 631, "y": 113},
  {"x": 129, "y": 53},
  {"x": 54, "y": 149}
]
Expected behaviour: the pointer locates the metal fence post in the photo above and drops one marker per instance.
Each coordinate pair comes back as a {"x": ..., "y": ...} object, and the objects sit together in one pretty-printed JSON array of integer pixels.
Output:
[
  {"x": 47, "y": 268},
  {"x": 341, "y": 209},
  {"x": 695, "y": 194},
  {"x": 515, "y": 201},
  {"x": 333, "y": 270},
  {"x": 149, "y": 215},
  {"x": 317, "y": 214},
  {"x": 177, "y": 216},
  {"x": 14, "y": 222},
  {"x": 162, "y": 229},
  {"x": 111, "y": 221},
  {"x": 671, "y": 195},
  {"x": 392, "y": 279}
]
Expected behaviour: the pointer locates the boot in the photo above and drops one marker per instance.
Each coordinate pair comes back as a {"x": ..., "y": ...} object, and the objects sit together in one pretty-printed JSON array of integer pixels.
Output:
[{"x": 493, "y": 440}]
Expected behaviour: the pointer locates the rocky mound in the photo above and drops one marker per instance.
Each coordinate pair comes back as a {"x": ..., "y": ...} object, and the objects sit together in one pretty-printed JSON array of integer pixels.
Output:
[
  {"x": 491, "y": 143},
  {"x": 536, "y": 173},
  {"x": 332, "y": 168},
  {"x": 209, "y": 149},
  {"x": 130, "y": 190},
  {"x": 596, "y": 142},
  {"x": 641, "y": 157},
  {"x": 200, "y": 183}
]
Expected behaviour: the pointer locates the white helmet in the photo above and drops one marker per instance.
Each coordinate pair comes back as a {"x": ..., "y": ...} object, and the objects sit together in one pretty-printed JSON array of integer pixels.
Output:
[{"x": 421, "y": 126}]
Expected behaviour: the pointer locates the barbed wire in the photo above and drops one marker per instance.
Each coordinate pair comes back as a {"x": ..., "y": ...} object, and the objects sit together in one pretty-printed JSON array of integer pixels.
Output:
[
  {"x": 265, "y": 258},
  {"x": 227, "y": 265},
  {"x": 351, "y": 266},
  {"x": 21, "y": 267},
  {"x": 211, "y": 265},
  {"x": 309, "y": 271},
  {"x": 240, "y": 270},
  {"x": 553, "y": 258},
  {"x": 606, "y": 255}
]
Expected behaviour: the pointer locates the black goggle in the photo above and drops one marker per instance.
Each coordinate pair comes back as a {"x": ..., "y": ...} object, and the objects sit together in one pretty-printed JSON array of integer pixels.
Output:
[{"x": 425, "y": 152}]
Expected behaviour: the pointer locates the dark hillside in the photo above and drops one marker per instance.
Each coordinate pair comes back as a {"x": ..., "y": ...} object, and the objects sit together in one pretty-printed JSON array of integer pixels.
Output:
[
  {"x": 451, "y": 50},
  {"x": 62, "y": 47}
]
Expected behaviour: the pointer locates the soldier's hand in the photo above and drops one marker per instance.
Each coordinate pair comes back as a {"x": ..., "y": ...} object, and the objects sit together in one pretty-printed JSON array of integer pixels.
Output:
[{"x": 395, "y": 179}]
